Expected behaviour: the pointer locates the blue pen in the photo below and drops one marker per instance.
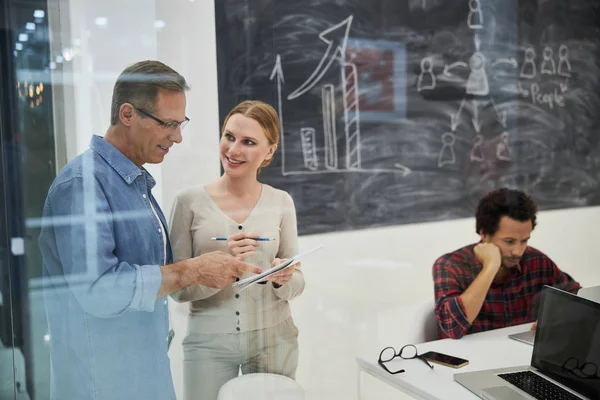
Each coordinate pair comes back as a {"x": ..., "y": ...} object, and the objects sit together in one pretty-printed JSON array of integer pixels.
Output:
[{"x": 258, "y": 239}]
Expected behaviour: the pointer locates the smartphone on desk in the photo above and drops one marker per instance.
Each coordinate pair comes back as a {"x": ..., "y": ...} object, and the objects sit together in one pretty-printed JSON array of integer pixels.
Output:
[{"x": 444, "y": 359}]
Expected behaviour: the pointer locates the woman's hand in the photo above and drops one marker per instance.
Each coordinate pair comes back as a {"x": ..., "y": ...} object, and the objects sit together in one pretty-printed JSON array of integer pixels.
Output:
[
  {"x": 282, "y": 277},
  {"x": 242, "y": 244}
]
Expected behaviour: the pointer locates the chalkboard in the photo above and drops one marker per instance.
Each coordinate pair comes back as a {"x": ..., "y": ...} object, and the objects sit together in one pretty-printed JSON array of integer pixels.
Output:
[{"x": 397, "y": 112}]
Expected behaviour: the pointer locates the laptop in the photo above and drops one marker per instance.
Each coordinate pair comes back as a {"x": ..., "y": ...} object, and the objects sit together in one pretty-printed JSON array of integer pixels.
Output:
[
  {"x": 528, "y": 337},
  {"x": 590, "y": 293},
  {"x": 565, "y": 363},
  {"x": 525, "y": 337}
]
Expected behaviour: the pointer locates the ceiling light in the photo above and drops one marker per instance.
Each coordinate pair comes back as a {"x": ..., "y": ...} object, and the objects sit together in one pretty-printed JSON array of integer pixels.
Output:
[
  {"x": 39, "y": 14},
  {"x": 67, "y": 53},
  {"x": 30, "y": 26},
  {"x": 19, "y": 46},
  {"x": 101, "y": 21},
  {"x": 23, "y": 37}
]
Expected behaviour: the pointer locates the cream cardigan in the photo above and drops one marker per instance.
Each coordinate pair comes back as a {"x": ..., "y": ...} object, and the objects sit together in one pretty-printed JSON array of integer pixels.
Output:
[{"x": 195, "y": 218}]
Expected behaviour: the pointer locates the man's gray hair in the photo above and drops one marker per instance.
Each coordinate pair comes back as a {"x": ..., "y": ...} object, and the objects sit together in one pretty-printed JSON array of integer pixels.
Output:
[{"x": 140, "y": 83}]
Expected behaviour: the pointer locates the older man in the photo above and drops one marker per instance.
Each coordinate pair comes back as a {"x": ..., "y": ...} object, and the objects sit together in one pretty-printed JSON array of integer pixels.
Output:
[{"x": 107, "y": 257}]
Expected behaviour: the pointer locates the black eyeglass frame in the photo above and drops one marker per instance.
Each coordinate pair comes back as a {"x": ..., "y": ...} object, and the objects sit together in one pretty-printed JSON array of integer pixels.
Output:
[
  {"x": 399, "y": 354},
  {"x": 579, "y": 371},
  {"x": 172, "y": 125}
]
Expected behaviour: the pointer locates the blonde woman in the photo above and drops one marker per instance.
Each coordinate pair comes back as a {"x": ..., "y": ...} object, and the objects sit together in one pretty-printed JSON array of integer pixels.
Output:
[{"x": 252, "y": 330}]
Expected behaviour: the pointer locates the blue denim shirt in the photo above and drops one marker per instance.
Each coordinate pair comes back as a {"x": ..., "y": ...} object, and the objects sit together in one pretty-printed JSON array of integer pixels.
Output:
[{"x": 102, "y": 248}]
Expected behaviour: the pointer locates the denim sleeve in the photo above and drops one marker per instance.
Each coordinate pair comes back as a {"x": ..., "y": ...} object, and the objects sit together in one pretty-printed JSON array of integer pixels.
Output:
[
  {"x": 182, "y": 242},
  {"x": 78, "y": 245}
]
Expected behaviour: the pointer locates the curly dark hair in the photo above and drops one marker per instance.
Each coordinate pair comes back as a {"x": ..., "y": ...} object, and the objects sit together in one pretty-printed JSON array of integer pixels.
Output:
[{"x": 503, "y": 202}]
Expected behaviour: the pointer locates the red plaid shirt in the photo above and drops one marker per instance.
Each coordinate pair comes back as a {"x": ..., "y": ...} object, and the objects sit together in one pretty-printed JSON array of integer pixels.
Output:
[{"x": 510, "y": 303}]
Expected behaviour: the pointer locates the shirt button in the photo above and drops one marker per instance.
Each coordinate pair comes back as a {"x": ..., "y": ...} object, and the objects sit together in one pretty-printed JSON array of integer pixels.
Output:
[
  {"x": 144, "y": 196},
  {"x": 237, "y": 329},
  {"x": 166, "y": 302},
  {"x": 240, "y": 227},
  {"x": 159, "y": 230},
  {"x": 237, "y": 313},
  {"x": 237, "y": 296},
  {"x": 237, "y": 279}
]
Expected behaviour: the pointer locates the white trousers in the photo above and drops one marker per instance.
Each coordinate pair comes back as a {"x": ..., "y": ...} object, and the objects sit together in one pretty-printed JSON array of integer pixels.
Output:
[{"x": 210, "y": 360}]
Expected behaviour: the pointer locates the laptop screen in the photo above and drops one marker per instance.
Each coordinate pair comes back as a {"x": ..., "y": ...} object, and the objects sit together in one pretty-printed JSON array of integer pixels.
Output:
[
  {"x": 590, "y": 293},
  {"x": 567, "y": 341}
]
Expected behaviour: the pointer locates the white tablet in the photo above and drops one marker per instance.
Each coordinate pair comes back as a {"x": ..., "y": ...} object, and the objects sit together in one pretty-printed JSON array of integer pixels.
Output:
[{"x": 244, "y": 283}]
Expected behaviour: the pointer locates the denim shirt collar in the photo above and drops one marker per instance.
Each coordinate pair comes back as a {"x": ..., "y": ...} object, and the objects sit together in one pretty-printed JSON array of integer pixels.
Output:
[{"x": 117, "y": 160}]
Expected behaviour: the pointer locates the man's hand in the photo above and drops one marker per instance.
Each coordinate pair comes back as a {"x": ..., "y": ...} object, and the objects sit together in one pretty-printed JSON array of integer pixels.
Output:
[
  {"x": 215, "y": 269},
  {"x": 473, "y": 297},
  {"x": 489, "y": 255},
  {"x": 534, "y": 326},
  {"x": 282, "y": 277}
]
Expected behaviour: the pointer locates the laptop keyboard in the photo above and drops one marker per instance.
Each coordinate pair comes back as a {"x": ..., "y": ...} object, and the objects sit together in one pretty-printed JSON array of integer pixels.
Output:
[{"x": 537, "y": 386}]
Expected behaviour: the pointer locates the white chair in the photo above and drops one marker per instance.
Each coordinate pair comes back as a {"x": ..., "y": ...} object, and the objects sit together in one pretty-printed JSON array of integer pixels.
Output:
[
  {"x": 425, "y": 323},
  {"x": 261, "y": 386},
  {"x": 411, "y": 323}
]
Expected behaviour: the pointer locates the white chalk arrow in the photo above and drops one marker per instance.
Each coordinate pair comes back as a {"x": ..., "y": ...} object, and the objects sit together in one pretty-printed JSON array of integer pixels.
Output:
[
  {"x": 476, "y": 122},
  {"x": 447, "y": 68},
  {"x": 477, "y": 42},
  {"x": 500, "y": 117},
  {"x": 455, "y": 118},
  {"x": 336, "y": 38},
  {"x": 510, "y": 61},
  {"x": 405, "y": 170},
  {"x": 503, "y": 119},
  {"x": 278, "y": 75}
]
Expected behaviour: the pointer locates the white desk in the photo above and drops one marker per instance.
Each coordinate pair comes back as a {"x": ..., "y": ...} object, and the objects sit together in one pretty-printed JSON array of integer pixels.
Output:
[{"x": 485, "y": 350}]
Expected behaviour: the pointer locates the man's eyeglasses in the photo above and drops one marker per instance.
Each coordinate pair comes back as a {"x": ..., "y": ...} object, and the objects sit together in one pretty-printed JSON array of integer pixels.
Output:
[
  {"x": 171, "y": 125},
  {"x": 407, "y": 352}
]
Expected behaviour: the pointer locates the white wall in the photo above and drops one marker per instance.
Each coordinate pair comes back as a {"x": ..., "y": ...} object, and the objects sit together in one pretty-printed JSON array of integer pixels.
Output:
[
  {"x": 363, "y": 287},
  {"x": 100, "y": 53},
  {"x": 188, "y": 44}
]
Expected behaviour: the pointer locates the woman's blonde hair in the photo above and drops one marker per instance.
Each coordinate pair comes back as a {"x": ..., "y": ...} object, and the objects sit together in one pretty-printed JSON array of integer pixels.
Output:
[{"x": 262, "y": 113}]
